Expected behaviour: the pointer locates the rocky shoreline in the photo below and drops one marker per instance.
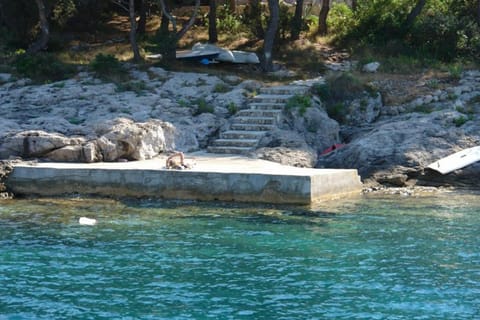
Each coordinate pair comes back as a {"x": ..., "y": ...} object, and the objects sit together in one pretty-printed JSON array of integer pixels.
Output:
[{"x": 87, "y": 120}]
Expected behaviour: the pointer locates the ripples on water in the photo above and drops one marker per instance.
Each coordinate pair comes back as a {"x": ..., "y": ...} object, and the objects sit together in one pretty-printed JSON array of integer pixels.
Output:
[{"x": 376, "y": 257}]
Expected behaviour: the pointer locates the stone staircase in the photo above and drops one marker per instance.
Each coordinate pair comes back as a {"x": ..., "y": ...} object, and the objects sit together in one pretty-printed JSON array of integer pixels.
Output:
[{"x": 250, "y": 125}]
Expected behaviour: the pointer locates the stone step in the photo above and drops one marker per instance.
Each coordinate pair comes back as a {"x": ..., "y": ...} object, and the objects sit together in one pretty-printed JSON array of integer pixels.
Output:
[
  {"x": 229, "y": 150},
  {"x": 267, "y": 106},
  {"x": 272, "y": 98},
  {"x": 235, "y": 143},
  {"x": 241, "y": 134},
  {"x": 251, "y": 127},
  {"x": 259, "y": 113},
  {"x": 254, "y": 120},
  {"x": 284, "y": 90}
]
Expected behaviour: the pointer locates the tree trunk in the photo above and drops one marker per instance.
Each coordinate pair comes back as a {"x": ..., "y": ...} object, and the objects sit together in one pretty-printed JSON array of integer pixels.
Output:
[
  {"x": 133, "y": 31},
  {"x": 478, "y": 13},
  {"x": 42, "y": 41},
  {"x": 322, "y": 18},
  {"x": 232, "y": 6},
  {"x": 414, "y": 13},
  {"x": 190, "y": 22},
  {"x": 212, "y": 22},
  {"x": 173, "y": 36},
  {"x": 142, "y": 22},
  {"x": 354, "y": 5},
  {"x": 267, "y": 61},
  {"x": 256, "y": 14},
  {"x": 297, "y": 21}
]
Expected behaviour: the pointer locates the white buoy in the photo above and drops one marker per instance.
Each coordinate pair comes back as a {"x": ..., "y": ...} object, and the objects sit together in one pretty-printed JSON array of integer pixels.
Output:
[{"x": 87, "y": 221}]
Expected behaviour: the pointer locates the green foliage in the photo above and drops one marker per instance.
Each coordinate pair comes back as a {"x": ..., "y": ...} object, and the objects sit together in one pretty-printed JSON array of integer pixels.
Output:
[
  {"x": 455, "y": 70},
  {"x": 424, "y": 108},
  {"x": 232, "y": 108},
  {"x": 336, "y": 111},
  {"x": 337, "y": 89},
  {"x": 254, "y": 16},
  {"x": 443, "y": 31},
  {"x": 42, "y": 67},
  {"x": 183, "y": 103},
  {"x": 322, "y": 90},
  {"x": 468, "y": 110},
  {"x": 165, "y": 44},
  {"x": 228, "y": 22},
  {"x": 76, "y": 121},
  {"x": 340, "y": 19},
  {"x": 460, "y": 121},
  {"x": 221, "y": 88},
  {"x": 108, "y": 67},
  {"x": 202, "y": 107},
  {"x": 136, "y": 86},
  {"x": 300, "y": 102},
  {"x": 63, "y": 11},
  {"x": 344, "y": 86}
]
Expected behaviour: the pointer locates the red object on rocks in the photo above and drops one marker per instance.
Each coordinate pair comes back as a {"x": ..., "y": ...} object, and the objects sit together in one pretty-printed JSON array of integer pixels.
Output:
[{"x": 332, "y": 148}]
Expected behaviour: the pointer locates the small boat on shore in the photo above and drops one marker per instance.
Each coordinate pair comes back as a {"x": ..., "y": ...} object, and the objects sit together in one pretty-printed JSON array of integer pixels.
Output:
[
  {"x": 196, "y": 54},
  {"x": 456, "y": 161}
]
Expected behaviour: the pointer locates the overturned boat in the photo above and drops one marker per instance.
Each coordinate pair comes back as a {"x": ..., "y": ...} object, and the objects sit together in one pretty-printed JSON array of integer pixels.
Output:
[
  {"x": 456, "y": 161},
  {"x": 211, "y": 52}
]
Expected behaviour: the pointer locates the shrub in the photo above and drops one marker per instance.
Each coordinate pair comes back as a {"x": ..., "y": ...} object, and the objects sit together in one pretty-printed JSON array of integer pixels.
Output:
[
  {"x": 221, "y": 88},
  {"x": 43, "y": 67},
  {"x": 136, "y": 86},
  {"x": 336, "y": 111},
  {"x": 301, "y": 102},
  {"x": 203, "y": 107},
  {"x": 460, "y": 121},
  {"x": 344, "y": 86},
  {"x": 107, "y": 66},
  {"x": 232, "y": 108},
  {"x": 340, "y": 19},
  {"x": 228, "y": 22}
]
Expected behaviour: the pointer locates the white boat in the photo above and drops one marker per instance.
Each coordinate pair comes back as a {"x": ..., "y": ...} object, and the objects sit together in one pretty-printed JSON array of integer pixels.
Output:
[
  {"x": 225, "y": 55},
  {"x": 456, "y": 161},
  {"x": 196, "y": 54}
]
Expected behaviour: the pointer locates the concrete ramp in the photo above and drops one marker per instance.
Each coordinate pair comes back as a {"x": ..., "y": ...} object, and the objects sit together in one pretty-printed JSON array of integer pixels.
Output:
[{"x": 213, "y": 177}]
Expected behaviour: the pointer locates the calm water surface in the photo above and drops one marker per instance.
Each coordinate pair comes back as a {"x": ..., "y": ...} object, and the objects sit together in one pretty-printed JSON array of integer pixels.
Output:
[{"x": 376, "y": 257}]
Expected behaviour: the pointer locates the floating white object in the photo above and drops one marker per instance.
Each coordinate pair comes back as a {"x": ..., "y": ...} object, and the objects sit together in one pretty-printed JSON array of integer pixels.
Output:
[
  {"x": 457, "y": 160},
  {"x": 87, "y": 221}
]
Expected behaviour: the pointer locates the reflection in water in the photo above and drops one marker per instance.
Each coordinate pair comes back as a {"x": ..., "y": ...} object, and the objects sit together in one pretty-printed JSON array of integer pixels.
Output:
[{"x": 374, "y": 257}]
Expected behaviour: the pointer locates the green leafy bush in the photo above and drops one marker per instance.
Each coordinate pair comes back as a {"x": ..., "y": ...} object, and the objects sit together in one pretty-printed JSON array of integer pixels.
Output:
[
  {"x": 221, "y": 88},
  {"x": 301, "y": 102},
  {"x": 43, "y": 67},
  {"x": 460, "y": 121},
  {"x": 203, "y": 107},
  {"x": 107, "y": 66},
  {"x": 232, "y": 108}
]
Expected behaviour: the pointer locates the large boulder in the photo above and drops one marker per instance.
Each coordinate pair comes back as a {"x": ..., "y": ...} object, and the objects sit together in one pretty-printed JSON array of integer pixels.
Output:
[
  {"x": 124, "y": 138},
  {"x": 34, "y": 143},
  {"x": 314, "y": 125}
]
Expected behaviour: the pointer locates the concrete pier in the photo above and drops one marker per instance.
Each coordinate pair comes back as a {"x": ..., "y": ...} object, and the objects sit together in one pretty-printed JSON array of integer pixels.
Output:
[{"x": 212, "y": 177}]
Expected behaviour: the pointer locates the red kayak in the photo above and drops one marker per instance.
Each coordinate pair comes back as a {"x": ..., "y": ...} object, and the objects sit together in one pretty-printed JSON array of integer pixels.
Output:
[{"x": 332, "y": 148}]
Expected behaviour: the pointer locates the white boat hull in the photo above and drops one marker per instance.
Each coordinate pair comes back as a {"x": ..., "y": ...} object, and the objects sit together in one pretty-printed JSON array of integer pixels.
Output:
[{"x": 456, "y": 161}]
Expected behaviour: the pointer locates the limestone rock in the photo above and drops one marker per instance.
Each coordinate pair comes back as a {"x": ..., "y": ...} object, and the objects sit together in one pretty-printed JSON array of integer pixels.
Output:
[
  {"x": 34, "y": 143},
  {"x": 364, "y": 110},
  {"x": 301, "y": 157},
  {"x": 371, "y": 67},
  {"x": 133, "y": 141},
  {"x": 286, "y": 147},
  {"x": 317, "y": 129}
]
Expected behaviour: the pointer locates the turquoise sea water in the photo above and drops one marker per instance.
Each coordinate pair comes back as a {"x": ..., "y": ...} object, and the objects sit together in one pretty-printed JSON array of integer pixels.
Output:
[{"x": 374, "y": 257}]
